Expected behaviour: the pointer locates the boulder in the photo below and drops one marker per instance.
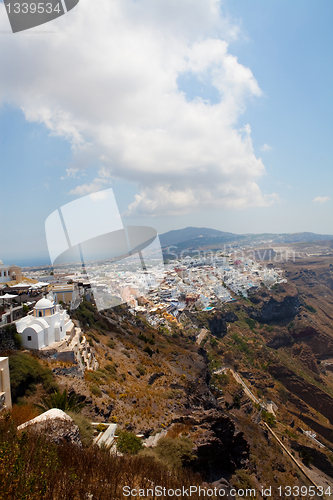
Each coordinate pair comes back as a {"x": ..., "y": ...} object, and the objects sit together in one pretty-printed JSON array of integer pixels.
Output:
[{"x": 55, "y": 425}]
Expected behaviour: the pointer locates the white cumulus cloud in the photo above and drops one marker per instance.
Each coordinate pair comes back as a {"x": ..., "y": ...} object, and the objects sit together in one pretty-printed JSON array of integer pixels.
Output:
[
  {"x": 321, "y": 199},
  {"x": 107, "y": 81}
]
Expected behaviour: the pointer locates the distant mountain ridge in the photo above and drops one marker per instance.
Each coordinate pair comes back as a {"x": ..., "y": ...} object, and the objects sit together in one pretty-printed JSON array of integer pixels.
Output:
[{"x": 196, "y": 236}]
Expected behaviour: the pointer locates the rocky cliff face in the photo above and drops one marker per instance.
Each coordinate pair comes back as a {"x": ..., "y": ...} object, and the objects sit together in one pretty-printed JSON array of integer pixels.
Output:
[
  {"x": 280, "y": 307},
  {"x": 7, "y": 342},
  {"x": 280, "y": 338},
  {"x": 309, "y": 393},
  {"x": 319, "y": 459},
  {"x": 220, "y": 448},
  {"x": 218, "y": 323}
]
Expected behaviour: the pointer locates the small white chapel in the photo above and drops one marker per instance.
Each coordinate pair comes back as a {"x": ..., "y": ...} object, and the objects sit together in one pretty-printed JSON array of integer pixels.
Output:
[{"x": 48, "y": 324}]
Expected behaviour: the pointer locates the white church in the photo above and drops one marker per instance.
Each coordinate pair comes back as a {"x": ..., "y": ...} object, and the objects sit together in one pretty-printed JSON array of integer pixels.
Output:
[{"x": 48, "y": 324}]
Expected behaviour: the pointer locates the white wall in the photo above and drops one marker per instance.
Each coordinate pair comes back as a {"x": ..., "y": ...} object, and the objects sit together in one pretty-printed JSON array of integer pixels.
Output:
[
  {"x": 5, "y": 381},
  {"x": 37, "y": 337}
]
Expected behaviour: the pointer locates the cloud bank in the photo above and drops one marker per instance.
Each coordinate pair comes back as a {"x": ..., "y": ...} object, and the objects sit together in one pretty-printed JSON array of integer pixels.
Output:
[{"x": 107, "y": 81}]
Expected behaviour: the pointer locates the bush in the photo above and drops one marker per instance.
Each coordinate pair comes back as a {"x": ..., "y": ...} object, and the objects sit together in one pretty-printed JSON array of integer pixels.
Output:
[
  {"x": 175, "y": 453},
  {"x": 96, "y": 391},
  {"x": 241, "y": 344},
  {"x": 268, "y": 418},
  {"x": 111, "y": 343},
  {"x": 250, "y": 322},
  {"x": 11, "y": 329},
  {"x": 25, "y": 308},
  {"x": 237, "y": 401},
  {"x": 25, "y": 372},
  {"x": 148, "y": 351},
  {"x": 128, "y": 443},
  {"x": 213, "y": 342},
  {"x": 101, "y": 427},
  {"x": 173, "y": 393},
  {"x": 85, "y": 428},
  {"x": 111, "y": 369},
  {"x": 141, "y": 370},
  {"x": 307, "y": 459},
  {"x": 310, "y": 308}
]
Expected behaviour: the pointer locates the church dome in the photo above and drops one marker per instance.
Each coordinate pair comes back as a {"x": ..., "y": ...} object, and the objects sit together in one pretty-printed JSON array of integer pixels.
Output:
[{"x": 44, "y": 304}]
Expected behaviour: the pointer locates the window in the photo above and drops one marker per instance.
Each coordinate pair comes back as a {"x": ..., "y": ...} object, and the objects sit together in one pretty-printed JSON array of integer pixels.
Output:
[
  {"x": 61, "y": 328},
  {"x": 29, "y": 338},
  {"x": 40, "y": 314}
]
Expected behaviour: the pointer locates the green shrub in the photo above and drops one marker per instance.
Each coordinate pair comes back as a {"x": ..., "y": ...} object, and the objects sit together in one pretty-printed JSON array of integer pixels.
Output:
[
  {"x": 96, "y": 391},
  {"x": 93, "y": 336},
  {"x": 268, "y": 418},
  {"x": 128, "y": 443},
  {"x": 111, "y": 369},
  {"x": 241, "y": 344},
  {"x": 101, "y": 427},
  {"x": 237, "y": 401},
  {"x": 111, "y": 343},
  {"x": 244, "y": 481},
  {"x": 213, "y": 342},
  {"x": 251, "y": 322},
  {"x": 146, "y": 339},
  {"x": 175, "y": 453},
  {"x": 85, "y": 427},
  {"x": 11, "y": 329},
  {"x": 141, "y": 370},
  {"x": 148, "y": 351},
  {"x": 310, "y": 308},
  {"x": 173, "y": 393},
  {"x": 26, "y": 371},
  {"x": 307, "y": 459}
]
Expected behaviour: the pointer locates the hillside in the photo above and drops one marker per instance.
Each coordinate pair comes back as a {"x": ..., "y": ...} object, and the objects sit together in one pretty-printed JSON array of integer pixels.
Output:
[
  {"x": 196, "y": 238},
  {"x": 274, "y": 349}
]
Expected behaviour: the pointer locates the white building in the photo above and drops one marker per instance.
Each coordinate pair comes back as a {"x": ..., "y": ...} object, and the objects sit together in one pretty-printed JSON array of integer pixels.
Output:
[
  {"x": 5, "y": 397},
  {"x": 48, "y": 324},
  {"x": 9, "y": 273}
]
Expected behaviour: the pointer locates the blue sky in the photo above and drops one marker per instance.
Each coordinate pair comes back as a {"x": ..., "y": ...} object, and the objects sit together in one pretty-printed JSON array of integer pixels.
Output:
[{"x": 159, "y": 109}]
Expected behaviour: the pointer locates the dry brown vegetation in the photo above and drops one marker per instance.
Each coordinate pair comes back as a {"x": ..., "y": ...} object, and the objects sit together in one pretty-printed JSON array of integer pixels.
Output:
[{"x": 32, "y": 468}]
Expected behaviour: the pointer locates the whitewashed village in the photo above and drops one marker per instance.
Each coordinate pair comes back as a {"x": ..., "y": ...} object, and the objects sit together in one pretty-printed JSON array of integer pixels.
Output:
[{"x": 39, "y": 303}]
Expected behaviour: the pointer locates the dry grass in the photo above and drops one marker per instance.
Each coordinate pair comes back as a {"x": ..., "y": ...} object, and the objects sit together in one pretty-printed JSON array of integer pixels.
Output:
[
  {"x": 24, "y": 412},
  {"x": 32, "y": 468}
]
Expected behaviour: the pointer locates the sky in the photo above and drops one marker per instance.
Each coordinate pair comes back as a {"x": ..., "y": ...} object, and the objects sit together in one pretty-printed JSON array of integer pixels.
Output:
[{"x": 195, "y": 112}]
